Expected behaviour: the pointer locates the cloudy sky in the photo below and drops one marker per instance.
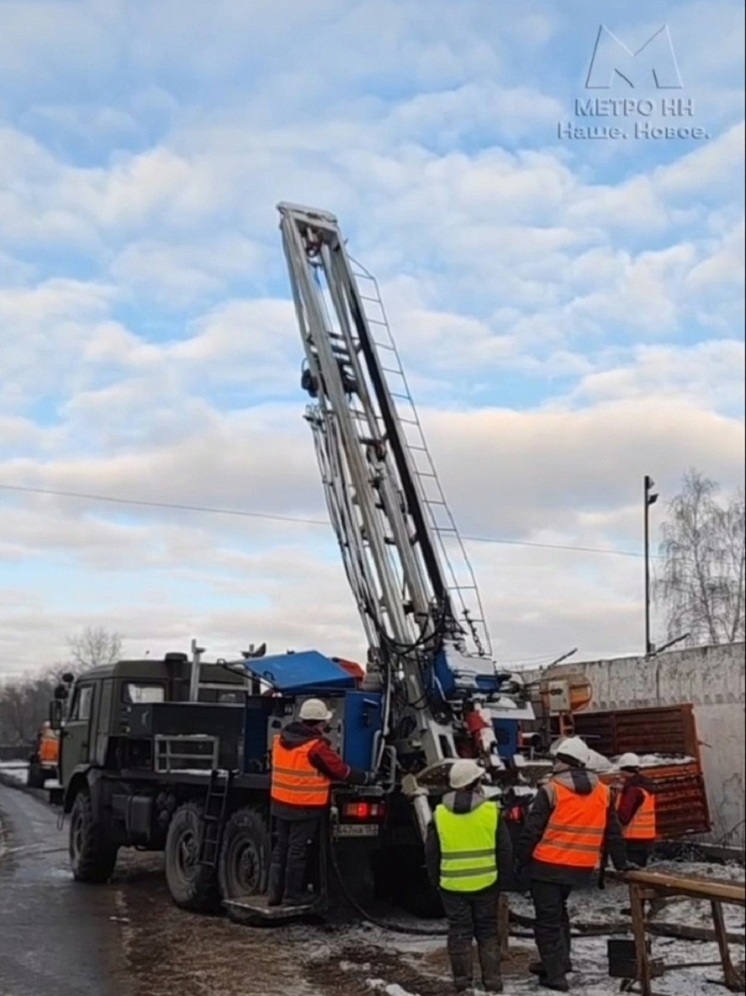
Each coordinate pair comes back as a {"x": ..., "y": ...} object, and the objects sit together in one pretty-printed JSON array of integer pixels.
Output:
[{"x": 565, "y": 285}]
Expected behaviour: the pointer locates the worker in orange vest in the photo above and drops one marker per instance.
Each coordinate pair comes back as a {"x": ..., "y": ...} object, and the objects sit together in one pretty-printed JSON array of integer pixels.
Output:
[
  {"x": 47, "y": 744},
  {"x": 304, "y": 765},
  {"x": 635, "y": 806},
  {"x": 572, "y": 823}
]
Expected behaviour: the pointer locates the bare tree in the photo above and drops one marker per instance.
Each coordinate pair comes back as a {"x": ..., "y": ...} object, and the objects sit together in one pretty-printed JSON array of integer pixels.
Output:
[
  {"x": 95, "y": 645},
  {"x": 701, "y": 583},
  {"x": 24, "y": 703}
]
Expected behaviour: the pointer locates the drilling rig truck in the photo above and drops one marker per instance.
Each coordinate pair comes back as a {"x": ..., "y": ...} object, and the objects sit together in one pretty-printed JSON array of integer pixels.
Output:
[{"x": 174, "y": 754}]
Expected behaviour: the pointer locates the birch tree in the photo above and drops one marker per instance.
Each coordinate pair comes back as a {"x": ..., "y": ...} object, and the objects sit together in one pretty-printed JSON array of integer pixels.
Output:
[{"x": 701, "y": 581}]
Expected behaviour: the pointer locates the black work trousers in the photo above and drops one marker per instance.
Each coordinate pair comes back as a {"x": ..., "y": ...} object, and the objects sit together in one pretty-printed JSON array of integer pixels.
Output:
[
  {"x": 552, "y": 926},
  {"x": 639, "y": 851},
  {"x": 470, "y": 915},
  {"x": 287, "y": 871}
]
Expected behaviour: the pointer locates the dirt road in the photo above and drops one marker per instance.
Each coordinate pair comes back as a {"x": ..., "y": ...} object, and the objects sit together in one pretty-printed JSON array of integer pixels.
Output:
[
  {"x": 173, "y": 953},
  {"x": 54, "y": 937},
  {"x": 128, "y": 939}
]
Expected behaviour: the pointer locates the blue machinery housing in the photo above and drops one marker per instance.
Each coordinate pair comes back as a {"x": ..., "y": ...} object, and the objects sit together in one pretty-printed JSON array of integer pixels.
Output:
[{"x": 357, "y": 714}]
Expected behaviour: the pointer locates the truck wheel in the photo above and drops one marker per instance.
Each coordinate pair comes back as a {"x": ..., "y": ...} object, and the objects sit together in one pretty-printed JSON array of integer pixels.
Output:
[
  {"x": 418, "y": 897},
  {"x": 92, "y": 856},
  {"x": 192, "y": 886},
  {"x": 244, "y": 855}
]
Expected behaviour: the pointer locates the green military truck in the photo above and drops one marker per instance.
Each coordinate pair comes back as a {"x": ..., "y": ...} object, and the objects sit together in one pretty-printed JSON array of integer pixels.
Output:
[{"x": 154, "y": 759}]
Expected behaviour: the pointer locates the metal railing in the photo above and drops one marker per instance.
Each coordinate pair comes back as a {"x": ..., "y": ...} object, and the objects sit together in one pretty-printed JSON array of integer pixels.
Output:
[{"x": 198, "y": 752}]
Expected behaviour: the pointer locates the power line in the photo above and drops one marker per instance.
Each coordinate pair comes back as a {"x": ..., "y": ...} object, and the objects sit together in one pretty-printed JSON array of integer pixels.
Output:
[
  {"x": 164, "y": 504},
  {"x": 276, "y": 517}
]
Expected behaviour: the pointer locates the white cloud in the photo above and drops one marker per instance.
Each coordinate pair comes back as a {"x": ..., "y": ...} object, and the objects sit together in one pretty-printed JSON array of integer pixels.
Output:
[
  {"x": 44, "y": 329},
  {"x": 696, "y": 373},
  {"x": 179, "y": 276},
  {"x": 568, "y": 318}
]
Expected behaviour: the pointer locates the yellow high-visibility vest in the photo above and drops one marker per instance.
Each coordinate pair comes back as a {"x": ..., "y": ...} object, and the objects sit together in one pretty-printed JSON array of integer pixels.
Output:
[{"x": 468, "y": 862}]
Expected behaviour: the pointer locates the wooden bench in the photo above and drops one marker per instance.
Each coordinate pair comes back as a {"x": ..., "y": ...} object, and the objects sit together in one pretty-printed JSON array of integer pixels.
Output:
[{"x": 648, "y": 885}]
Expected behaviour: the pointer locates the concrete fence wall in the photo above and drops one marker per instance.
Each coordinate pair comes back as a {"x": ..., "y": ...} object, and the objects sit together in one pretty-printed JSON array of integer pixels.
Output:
[{"x": 712, "y": 680}]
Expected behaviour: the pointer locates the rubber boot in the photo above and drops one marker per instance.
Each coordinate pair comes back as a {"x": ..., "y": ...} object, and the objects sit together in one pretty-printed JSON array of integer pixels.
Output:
[
  {"x": 489, "y": 962},
  {"x": 558, "y": 985},
  {"x": 294, "y": 880},
  {"x": 461, "y": 956},
  {"x": 553, "y": 976},
  {"x": 275, "y": 884},
  {"x": 537, "y": 967},
  {"x": 566, "y": 945}
]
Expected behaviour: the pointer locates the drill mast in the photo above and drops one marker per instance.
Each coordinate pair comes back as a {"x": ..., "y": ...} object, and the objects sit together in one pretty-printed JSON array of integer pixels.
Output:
[{"x": 404, "y": 560}]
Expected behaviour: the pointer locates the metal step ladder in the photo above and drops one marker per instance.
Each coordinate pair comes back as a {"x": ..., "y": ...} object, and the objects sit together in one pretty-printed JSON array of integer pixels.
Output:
[
  {"x": 213, "y": 817},
  {"x": 461, "y": 581}
]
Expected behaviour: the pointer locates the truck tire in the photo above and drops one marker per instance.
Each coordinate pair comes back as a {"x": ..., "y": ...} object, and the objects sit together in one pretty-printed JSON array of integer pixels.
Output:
[
  {"x": 244, "y": 856},
  {"x": 420, "y": 898},
  {"x": 404, "y": 880},
  {"x": 92, "y": 856},
  {"x": 192, "y": 886}
]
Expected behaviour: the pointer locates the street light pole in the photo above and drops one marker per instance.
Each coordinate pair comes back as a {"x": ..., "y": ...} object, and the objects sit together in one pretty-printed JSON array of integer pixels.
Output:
[{"x": 648, "y": 499}]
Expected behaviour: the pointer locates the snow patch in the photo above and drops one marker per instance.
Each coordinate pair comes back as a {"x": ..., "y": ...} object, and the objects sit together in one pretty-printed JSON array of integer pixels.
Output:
[
  {"x": 658, "y": 760},
  {"x": 16, "y": 771},
  {"x": 351, "y": 966},
  {"x": 389, "y": 988}
]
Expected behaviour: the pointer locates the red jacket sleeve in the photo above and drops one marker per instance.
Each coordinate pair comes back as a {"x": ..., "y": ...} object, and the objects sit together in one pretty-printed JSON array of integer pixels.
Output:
[
  {"x": 328, "y": 762},
  {"x": 630, "y": 801}
]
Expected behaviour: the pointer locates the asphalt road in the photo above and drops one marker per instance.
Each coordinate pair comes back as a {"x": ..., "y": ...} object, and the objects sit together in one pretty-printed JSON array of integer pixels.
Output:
[{"x": 56, "y": 936}]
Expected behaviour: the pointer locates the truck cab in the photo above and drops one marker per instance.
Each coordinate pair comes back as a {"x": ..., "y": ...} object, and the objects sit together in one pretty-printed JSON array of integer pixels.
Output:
[{"x": 104, "y": 709}]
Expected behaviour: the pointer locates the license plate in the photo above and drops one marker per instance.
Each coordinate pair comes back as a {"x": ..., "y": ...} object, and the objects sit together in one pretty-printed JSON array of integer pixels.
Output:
[{"x": 356, "y": 830}]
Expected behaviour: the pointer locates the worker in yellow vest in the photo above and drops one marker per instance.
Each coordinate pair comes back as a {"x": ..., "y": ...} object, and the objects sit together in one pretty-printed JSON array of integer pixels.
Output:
[
  {"x": 468, "y": 847},
  {"x": 304, "y": 765},
  {"x": 635, "y": 806},
  {"x": 571, "y": 827}
]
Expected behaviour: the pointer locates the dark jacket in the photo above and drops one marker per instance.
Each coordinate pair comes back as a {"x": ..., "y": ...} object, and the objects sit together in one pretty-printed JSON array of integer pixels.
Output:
[
  {"x": 583, "y": 782},
  {"x": 323, "y": 758},
  {"x": 466, "y": 802},
  {"x": 631, "y": 797}
]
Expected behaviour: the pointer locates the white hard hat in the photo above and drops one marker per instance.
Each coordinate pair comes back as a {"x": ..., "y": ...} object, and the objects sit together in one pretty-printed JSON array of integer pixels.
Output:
[
  {"x": 574, "y": 749},
  {"x": 315, "y": 710},
  {"x": 628, "y": 760},
  {"x": 464, "y": 773}
]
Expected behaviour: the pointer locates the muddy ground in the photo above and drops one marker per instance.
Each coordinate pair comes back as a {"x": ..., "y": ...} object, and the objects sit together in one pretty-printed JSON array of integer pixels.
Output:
[
  {"x": 127, "y": 938},
  {"x": 174, "y": 953}
]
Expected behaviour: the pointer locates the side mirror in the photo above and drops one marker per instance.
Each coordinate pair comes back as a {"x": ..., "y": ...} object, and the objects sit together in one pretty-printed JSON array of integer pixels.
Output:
[
  {"x": 68, "y": 677},
  {"x": 55, "y": 714},
  {"x": 61, "y": 693}
]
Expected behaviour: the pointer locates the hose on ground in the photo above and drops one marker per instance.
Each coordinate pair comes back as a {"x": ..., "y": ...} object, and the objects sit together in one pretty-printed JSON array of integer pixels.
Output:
[
  {"x": 377, "y": 921},
  {"x": 516, "y": 919}
]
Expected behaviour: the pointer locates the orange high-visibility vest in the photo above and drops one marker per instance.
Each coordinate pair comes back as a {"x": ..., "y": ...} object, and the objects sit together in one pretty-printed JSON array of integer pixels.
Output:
[
  {"x": 575, "y": 832},
  {"x": 642, "y": 826},
  {"x": 295, "y": 781},
  {"x": 48, "y": 747}
]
